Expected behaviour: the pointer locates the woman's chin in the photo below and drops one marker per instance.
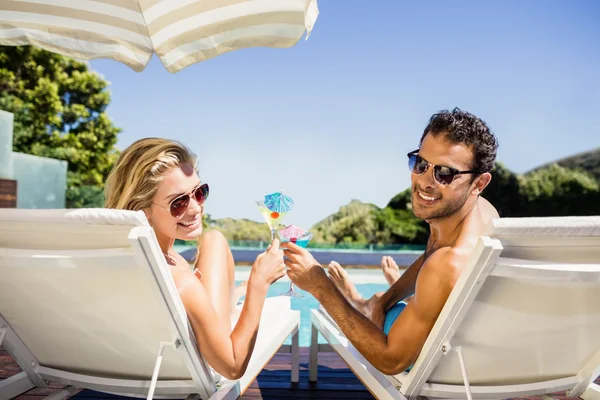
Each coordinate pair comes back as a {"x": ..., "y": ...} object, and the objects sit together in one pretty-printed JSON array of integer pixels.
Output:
[
  {"x": 192, "y": 234},
  {"x": 189, "y": 230}
]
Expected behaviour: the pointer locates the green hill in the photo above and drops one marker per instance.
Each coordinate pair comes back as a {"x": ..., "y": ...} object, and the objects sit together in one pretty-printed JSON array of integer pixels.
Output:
[
  {"x": 354, "y": 222},
  {"x": 359, "y": 222},
  {"x": 588, "y": 161},
  {"x": 569, "y": 186},
  {"x": 239, "y": 229}
]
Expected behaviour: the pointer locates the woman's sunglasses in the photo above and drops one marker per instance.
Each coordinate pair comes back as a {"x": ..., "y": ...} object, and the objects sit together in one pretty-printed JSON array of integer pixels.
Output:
[
  {"x": 443, "y": 175},
  {"x": 179, "y": 205}
]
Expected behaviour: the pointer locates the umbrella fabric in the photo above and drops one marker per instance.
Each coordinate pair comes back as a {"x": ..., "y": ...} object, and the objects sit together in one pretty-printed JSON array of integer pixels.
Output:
[
  {"x": 278, "y": 202},
  {"x": 291, "y": 232},
  {"x": 180, "y": 32}
]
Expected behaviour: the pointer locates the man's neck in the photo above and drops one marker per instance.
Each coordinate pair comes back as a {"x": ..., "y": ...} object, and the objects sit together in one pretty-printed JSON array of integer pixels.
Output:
[{"x": 444, "y": 231}]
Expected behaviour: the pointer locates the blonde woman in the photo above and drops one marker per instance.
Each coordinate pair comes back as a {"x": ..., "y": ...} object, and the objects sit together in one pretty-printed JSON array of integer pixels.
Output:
[{"x": 159, "y": 177}]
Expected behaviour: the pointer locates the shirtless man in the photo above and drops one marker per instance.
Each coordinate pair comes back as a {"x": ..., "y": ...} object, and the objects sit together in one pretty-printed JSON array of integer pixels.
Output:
[{"x": 449, "y": 172}]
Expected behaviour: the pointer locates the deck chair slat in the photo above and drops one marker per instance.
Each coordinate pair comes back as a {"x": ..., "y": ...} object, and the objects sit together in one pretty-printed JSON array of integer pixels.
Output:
[{"x": 49, "y": 254}]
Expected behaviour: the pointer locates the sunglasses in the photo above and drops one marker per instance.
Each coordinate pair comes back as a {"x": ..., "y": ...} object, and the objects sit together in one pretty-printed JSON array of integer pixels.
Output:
[
  {"x": 179, "y": 205},
  {"x": 443, "y": 175}
]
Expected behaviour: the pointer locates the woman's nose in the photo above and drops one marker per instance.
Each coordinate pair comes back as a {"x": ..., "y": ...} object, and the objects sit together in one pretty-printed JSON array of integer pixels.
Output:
[{"x": 195, "y": 206}]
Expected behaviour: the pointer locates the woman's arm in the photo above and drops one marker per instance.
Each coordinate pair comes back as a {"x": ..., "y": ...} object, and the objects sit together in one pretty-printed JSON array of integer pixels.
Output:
[{"x": 229, "y": 352}]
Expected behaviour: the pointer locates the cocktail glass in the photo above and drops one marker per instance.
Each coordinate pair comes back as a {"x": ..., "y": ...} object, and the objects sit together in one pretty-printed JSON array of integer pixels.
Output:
[
  {"x": 272, "y": 218},
  {"x": 301, "y": 241}
]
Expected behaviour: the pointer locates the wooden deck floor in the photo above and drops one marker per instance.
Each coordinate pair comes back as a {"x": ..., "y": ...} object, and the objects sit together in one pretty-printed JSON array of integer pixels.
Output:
[{"x": 336, "y": 381}]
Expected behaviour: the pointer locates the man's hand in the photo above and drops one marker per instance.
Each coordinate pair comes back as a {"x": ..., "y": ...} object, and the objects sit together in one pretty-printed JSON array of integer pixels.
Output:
[
  {"x": 376, "y": 309},
  {"x": 304, "y": 271}
]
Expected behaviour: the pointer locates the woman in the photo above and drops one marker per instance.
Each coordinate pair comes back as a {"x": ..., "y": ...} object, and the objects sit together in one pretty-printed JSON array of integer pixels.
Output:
[{"x": 159, "y": 177}]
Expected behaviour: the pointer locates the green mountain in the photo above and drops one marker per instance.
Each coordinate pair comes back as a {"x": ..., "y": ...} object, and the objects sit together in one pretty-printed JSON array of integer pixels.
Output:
[
  {"x": 570, "y": 186},
  {"x": 239, "y": 229},
  {"x": 588, "y": 161},
  {"x": 359, "y": 222},
  {"x": 354, "y": 222}
]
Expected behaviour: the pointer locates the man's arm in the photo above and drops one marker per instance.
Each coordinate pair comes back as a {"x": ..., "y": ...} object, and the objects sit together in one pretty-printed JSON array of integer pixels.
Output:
[
  {"x": 414, "y": 324},
  {"x": 404, "y": 286},
  {"x": 394, "y": 353},
  {"x": 368, "y": 338}
]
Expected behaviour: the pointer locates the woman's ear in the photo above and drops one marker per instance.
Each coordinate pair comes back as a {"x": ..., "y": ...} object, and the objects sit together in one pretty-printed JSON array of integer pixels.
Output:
[{"x": 148, "y": 214}]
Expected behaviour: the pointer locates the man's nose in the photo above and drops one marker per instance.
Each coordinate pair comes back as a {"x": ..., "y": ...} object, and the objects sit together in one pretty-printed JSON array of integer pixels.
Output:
[{"x": 428, "y": 179}]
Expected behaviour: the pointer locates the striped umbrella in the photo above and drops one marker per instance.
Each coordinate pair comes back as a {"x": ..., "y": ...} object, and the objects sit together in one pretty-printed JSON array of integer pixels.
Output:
[{"x": 180, "y": 32}]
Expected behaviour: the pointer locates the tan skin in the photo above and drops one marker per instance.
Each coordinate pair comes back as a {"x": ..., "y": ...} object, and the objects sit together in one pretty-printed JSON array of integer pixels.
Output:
[
  {"x": 428, "y": 281},
  {"x": 207, "y": 292}
]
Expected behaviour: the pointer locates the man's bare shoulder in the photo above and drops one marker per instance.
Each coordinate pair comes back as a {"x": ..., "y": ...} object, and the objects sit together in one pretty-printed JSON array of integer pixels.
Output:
[
  {"x": 444, "y": 265},
  {"x": 488, "y": 210},
  {"x": 436, "y": 280}
]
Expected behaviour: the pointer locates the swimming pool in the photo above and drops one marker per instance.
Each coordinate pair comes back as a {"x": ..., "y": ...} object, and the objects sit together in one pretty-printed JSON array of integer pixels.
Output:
[{"x": 368, "y": 282}]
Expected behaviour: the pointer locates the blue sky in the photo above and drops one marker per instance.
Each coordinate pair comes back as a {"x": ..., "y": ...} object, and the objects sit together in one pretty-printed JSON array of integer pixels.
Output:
[{"x": 331, "y": 119}]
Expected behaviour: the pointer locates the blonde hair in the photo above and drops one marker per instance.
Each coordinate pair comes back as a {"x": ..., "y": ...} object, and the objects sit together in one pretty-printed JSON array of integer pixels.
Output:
[{"x": 132, "y": 183}]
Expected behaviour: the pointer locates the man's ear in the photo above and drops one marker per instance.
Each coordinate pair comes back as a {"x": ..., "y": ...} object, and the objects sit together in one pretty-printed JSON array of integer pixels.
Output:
[{"x": 481, "y": 182}]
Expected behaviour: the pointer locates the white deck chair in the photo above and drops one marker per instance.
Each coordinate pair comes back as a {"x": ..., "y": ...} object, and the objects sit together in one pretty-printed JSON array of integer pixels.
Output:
[
  {"x": 523, "y": 320},
  {"x": 87, "y": 300}
]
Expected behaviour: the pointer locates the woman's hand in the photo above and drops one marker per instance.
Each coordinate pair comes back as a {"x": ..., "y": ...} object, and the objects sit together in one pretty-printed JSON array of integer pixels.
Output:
[{"x": 269, "y": 266}]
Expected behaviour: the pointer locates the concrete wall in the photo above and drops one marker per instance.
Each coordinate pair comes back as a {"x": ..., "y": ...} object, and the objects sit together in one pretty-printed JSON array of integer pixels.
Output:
[
  {"x": 41, "y": 181},
  {"x": 6, "y": 144}
]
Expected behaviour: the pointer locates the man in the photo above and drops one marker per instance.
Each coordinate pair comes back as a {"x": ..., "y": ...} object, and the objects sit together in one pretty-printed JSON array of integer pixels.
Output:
[{"x": 450, "y": 170}]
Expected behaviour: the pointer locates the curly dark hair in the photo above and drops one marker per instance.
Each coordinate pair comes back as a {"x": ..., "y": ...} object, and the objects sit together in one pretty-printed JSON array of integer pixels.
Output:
[{"x": 459, "y": 126}]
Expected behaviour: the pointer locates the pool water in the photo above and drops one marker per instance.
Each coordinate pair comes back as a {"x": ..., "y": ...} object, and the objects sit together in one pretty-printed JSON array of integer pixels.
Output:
[{"x": 368, "y": 282}]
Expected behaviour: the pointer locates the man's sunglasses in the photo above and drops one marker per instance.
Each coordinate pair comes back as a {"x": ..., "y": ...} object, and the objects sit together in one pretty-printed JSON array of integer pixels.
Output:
[
  {"x": 179, "y": 205},
  {"x": 443, "y": 175}
]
